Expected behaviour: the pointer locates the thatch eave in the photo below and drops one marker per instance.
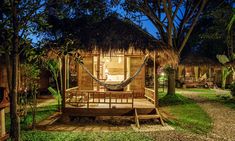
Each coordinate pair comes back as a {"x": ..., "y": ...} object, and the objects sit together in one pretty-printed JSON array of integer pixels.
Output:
[
  {"x": 196, "y": 60},
  {"x": 114, "y": 35}
]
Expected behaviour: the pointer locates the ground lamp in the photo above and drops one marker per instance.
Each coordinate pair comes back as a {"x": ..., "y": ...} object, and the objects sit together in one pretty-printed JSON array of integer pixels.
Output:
[{"x": 3, "y": 104}]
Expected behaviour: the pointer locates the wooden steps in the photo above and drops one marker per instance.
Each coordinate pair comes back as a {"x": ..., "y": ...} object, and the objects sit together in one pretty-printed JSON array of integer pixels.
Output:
[{"x": 147, "y": 116}]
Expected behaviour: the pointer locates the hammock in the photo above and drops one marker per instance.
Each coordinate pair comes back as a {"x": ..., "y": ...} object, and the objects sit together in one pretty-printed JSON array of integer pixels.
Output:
[{"x": 119, "y": 86}]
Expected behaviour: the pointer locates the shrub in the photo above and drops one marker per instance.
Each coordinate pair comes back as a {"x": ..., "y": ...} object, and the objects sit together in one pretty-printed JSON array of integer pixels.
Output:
[{"x": 232, "y": 88}]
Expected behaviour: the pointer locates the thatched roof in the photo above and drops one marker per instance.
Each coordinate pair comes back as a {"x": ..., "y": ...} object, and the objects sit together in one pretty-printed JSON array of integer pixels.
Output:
[
  {"x": 115, "y": 34},
  {"x": 196, "y": 60}
]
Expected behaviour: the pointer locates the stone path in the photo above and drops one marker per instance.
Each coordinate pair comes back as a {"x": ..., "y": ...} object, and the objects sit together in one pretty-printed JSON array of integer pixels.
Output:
[{"x": 223, "y": 117}]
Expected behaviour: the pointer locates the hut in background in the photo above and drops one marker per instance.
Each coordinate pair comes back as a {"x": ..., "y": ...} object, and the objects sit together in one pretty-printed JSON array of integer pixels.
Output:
[
  {"x": 198, "y": 71},
  {"x": 231, "y": 77}
]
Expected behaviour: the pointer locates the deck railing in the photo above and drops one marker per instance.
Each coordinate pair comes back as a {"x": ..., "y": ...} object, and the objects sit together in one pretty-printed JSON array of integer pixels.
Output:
[
  {"x": 87, "y": 98},
  {"x": 149, "y": 94}
]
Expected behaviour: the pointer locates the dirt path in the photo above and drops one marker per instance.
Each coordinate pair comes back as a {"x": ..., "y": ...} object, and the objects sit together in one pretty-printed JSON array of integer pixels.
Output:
[
  {"x": 222, "y": 116},
  {"x": 41, "y": 103}
]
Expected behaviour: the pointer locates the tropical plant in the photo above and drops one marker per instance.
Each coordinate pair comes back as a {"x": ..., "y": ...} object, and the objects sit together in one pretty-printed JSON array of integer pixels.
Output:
[
  {"x": 54, "y": 66},
  {"x": 232, "y": 88},
  {"x": 55, "y": 94},
  {"x": 226, "y": 71},
  {"x": 231, "y": 22},
  {"x": 29, "y": 78}
]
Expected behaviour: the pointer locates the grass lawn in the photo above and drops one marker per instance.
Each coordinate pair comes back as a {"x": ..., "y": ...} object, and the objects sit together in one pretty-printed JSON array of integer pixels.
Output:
[
  {"x": 84, "y": 136},
  {"x": 202, "y": 90},
  {"x": 225, "y": 99},
  {"x": 188, "y": 115},
  {"x": 42, "y": 113}
]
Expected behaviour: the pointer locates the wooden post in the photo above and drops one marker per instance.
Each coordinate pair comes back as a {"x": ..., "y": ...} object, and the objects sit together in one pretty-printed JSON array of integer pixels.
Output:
[
  {"x": 78, "y": 77},
  {"x": 155, "y": 68},
  {"x": 88, "y": 101},
  {"x": 125, "y": 67},
  {"x": 132, "y": 97},
  {"x": 98, "y": 71},
  {"x": 67, "y": 70},
  {"x": 128, "y": 64},
  {"x": 110, "y": 100},
  {"x": 209, "y": 73},
  {"x": 196, "y": 72},
  {"x": 63, "y": 82},
  {"x": 3, "y": 104},
  {"x": 2, "y": 123}
]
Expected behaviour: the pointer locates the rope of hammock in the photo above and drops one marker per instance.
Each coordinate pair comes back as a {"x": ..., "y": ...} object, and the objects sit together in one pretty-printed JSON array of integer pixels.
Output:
[{"x": 121, "y": 85}]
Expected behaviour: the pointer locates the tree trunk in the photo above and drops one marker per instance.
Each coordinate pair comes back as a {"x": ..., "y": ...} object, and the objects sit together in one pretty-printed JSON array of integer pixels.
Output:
[
  {"x": 58, "y": 93},
  {"x": 15, "y": 122},
  {"x": 34, "y": 108},
  {"x": 171, "y": 81},
  {"x": 223, "y": 83},
  {"x": 9, "y": 72},
  {"x": 61, "y": 61},
  {"x": 156, "y": 104},
  {"x": 63, "y": 80}
]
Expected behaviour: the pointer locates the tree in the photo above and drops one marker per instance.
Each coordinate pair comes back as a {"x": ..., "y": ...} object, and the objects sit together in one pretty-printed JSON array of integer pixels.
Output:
[
  {"x": 15, "y": 122},
  {"x": 18, "y": 19},
  {"x": 67, "y": 21},
  {"x": 30, "y": 75},
  {"x": 174, "y": 21},
  {"x": 210, "y": 36}
]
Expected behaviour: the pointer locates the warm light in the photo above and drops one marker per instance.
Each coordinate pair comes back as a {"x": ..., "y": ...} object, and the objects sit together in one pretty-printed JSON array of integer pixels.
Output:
[
  {"x": 106, "y": 71},
  {"x": 162, "y": 73},
  {"x": 119, "y": 60}
]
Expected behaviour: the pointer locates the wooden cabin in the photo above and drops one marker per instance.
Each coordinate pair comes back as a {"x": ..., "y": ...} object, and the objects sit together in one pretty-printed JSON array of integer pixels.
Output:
[
  {"x": 198, "y": 71},
  {"x": 89, "y": 98},
  {"x": 116, "y": 54}
]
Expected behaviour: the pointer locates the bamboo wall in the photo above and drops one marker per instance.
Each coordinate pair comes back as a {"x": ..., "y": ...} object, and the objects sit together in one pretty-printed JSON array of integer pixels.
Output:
[
  {"x": 85, "y": 82},
  {"x": 138, "y": 84}
]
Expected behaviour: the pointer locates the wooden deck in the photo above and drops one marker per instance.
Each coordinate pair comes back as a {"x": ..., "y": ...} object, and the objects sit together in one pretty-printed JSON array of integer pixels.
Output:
[
  {"x": 137, "y": 103},
  {"x": 108, "y": 103}
]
